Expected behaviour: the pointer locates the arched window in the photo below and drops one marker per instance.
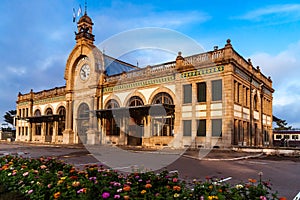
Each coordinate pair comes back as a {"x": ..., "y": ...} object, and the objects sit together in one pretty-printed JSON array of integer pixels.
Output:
[
  {"x": 37, "y": 113},
  {"x": 135, "y": 101},
  {"x": 62, "y": 111},
  {"x": 83, "y": 111},
  {"x": 62, "y": 118},
  {"x": 162, "y": 98},
  {"x": 49, "y": 126},
  {"x": 49, "y": 111},
  {"x": 38, "y": 126},
  {"x": 112, "y": 127},
  {"x": 112, "y": 104},
  {"x": 162, "y": 125}
]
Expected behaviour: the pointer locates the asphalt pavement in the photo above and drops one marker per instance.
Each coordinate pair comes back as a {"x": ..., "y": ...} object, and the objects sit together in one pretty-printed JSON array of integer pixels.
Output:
[{"x": 191, "y": 163}]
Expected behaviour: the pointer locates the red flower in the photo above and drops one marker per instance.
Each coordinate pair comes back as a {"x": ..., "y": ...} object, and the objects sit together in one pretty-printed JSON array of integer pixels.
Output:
[{"x": 126, "y": 188}]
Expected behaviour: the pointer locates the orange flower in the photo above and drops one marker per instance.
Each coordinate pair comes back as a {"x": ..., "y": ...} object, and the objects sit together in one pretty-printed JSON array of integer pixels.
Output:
[
  {"x": 143, "y": 191},
  {"x": 4, "y": 167},
  {"x": 56, "y": 195},
  {"x": 148, "y": 185},
  {"x": 75, "y": 183},
  {"x": 282, "y": 198},
  {"x": 252, "y": 180},
  {"x": 211, "y": 187},
  {"x": 126, "y": 197},
  {"x": 176, "y": 188},
  {"x": 220, "y": 190},
  {"x": 168, "y": 187},
  {"x": 126, "y": 188}
]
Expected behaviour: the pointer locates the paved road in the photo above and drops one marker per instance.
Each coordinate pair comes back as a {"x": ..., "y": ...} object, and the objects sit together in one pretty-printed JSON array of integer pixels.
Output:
[{"x": 283, "y": 174}]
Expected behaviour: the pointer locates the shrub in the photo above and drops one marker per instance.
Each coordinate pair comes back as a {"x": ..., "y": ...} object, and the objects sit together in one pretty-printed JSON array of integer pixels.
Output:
[{"x": 49, "y": 178}]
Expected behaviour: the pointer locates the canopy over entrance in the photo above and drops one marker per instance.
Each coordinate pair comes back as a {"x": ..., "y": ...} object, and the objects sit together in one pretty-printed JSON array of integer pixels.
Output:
[
  {"x": 137, "y": 111},
  {"x": 46, "y": 118}
]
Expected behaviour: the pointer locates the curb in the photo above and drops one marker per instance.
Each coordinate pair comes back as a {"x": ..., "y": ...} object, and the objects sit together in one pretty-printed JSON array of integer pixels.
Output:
[{"x": 224, "y": 159}]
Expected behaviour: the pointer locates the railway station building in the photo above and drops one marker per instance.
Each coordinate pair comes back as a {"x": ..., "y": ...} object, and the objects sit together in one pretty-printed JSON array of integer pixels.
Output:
[{"x": 211, "y": 99}]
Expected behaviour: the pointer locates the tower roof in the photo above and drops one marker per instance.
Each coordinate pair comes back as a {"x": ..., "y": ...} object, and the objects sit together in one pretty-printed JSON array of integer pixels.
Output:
[{"x": 85, "y": 18}]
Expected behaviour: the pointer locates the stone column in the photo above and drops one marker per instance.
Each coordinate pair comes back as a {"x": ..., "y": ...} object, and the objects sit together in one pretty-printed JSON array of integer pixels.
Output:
[
  {"x": 68, "y": 133},
  {"x": 43, "y": 132},
  {"x": 55, "y": 132}
]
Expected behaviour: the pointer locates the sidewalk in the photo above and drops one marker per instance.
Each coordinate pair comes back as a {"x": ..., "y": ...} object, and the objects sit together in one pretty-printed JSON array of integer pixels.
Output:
[
  {"x": 201, "y": 154},
  {"x": 219, "y": 154},
  {"x": 36, "y": 149}
]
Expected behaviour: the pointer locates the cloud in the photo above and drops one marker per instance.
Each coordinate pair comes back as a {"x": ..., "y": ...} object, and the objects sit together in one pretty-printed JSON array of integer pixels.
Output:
[
  {"x": 274, "y": 14},
  {"x": 284, "y": 71},
  {"x": 138, "y": 16}
]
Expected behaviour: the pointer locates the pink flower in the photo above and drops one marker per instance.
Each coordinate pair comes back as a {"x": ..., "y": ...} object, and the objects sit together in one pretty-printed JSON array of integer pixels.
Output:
[
  {"x": 175, "y": 180},
  {"x": 105, "y": 195},
  {"x": 263, "y": 198},
  {"x": 82, "y": 190},
  {"x": 117, "y": 184},
  {"x": 117, "y": 196},
  {"x": 43, "y": 166},
  {"x": 30, "y": 191}
]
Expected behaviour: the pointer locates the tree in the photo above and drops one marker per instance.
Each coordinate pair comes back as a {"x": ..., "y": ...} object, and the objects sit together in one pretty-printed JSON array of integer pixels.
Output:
[
  {"x": 281, "y": 124},
  {"x": 9, "y": 116}
]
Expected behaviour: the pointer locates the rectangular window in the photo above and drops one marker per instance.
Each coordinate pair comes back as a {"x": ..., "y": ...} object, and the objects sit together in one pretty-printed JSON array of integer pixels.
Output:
[
  {"x": 187, "y": 127},
  {"x": 277, "y": 137},
  {"x": 187, "y": 93},
  {"x": 295, "y": 137},
  {"x": 201, "y": 127},
  {"x": 216, "y": 126},
  {"x": 201, "y": 92},
  {"x": 26, "y": 130},
  {"x": 286, "y": 137},
  {"x": 216, "y": 87}
]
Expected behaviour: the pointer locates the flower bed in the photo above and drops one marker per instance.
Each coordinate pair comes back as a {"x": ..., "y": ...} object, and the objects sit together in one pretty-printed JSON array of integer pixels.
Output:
[{"x": 48, "y": 178}]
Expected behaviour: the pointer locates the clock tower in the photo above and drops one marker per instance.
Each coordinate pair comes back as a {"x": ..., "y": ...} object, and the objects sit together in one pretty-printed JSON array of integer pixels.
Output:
[{"x": 84, "y": 79}]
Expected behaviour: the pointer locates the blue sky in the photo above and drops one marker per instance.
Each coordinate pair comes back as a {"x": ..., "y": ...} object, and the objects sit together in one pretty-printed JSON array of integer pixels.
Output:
[{"x": 36, "y": 37}]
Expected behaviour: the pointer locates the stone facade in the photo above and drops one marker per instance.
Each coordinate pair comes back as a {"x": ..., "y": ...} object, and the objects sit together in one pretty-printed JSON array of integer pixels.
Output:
[{"x": 212, "y": 99}]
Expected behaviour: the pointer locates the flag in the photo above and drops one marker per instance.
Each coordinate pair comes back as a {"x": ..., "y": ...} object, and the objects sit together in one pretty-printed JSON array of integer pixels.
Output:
[
  {"x": 79, "y": 11},
  {"x": 74, "y": 15}
]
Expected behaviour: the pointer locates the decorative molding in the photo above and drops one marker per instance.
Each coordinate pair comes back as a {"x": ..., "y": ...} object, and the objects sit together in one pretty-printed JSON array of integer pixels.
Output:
[
  {"x": 49, "y": 100},
  {"x": 204, "y": 71},
  {"x": 154, "y": 81}
]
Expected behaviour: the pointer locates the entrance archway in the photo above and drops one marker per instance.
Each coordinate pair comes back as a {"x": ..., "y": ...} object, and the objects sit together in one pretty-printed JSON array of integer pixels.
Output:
[
  {"x": 83, "y": 118},
  {"x": 49, "y": 126},
  {"x": 162, "y": 125},
  {"x": 136, "y": 123}
]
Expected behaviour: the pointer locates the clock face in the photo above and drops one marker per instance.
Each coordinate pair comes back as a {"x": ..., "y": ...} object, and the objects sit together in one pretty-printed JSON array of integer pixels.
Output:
[{"x": 85, "y": 72}]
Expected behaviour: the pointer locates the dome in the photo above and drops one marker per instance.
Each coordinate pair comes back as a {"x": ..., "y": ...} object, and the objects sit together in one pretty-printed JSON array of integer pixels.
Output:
[{"x": 86, "y": 19}]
